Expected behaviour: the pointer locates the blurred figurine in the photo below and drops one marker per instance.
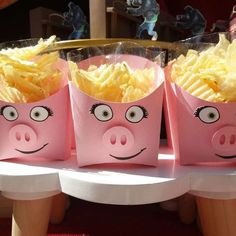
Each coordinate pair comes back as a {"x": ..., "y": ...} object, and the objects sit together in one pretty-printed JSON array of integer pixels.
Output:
[
  {"x": 76, "y": 18},
  {"x": 149, "y": 10},
  {"x": 191, "y": 19}
]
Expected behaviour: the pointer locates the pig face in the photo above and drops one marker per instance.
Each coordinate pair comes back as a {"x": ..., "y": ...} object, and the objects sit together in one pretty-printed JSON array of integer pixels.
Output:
[
  {"x": 109, "y": 132},
  {"x": 206, "y": 131},
  {"x": 36, "y": 129}
]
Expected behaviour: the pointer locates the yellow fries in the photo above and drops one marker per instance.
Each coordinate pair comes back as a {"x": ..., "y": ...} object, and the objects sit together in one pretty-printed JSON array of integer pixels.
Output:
[
  {"x": 27, "y": 53},
  {"x": 27, "y": 75},
  {"x": 210, "y": 74},
  {"x": 10, "y": 94},
  {"x": 113, "y": 82}
]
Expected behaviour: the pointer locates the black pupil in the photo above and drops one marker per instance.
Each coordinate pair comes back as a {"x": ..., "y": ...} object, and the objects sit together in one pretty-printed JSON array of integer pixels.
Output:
[
  {"x": 132, "y": 114},
  {"x": 211, "y": 115},
  {"x": 36, "y": 114},
  {"x": 12, "y": 114},
  {"x": 105, "y": 113}
]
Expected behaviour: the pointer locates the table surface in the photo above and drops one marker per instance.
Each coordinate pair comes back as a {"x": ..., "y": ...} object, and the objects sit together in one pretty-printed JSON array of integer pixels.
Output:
[{"x": 116, "y": 184}]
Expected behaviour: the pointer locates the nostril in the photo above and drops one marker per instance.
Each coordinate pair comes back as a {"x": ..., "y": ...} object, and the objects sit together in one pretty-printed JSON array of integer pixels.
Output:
[
  {"x": 123, "y": 140},
  {"x": 222, "y": 139},
  {"x": 21, "y": 136},
  {"x": 117, "y": 139},
  {"x": 232, "y": 139},
  {"x": 27, "y": 137},
  {"x": 18, "y": 136},
  {"x": 113, "y": 139}
]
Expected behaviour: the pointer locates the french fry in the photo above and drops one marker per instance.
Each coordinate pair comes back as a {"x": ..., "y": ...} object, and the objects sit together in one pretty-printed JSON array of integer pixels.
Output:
[
  {"x": 29, "y": 75},
  {"x": 106, "y": 72},
  {"x": 132, "y": 94},
  {"x": 114, "y": 82},
  {"x": 27, "y": 53},
  {"x": 9, "y": 94},
  {"x": 210, "y": 74}
]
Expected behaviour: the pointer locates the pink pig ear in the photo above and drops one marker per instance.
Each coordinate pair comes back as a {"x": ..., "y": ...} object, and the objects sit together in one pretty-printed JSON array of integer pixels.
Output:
[{"x": 63, "y": 67}]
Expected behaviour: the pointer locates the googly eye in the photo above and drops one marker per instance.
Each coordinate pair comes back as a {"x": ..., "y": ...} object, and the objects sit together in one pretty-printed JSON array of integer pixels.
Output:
[
  {"x": 9, "y": 113},
  {"x": 135, "y": 114},
  {"x": 40, "y": 113},
  {"x": 102, "y": 112},
  {"x": 207, "y": 114}
]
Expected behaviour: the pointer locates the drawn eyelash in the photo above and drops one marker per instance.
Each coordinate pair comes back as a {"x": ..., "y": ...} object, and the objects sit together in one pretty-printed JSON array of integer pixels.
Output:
[
  {"x": 94, "y": 107},
  {"x": 197, "y": 112},
  {"x": 50, "y": 112},
  {"x": 207, "y": 114},
  {"x": 145, "y": 112},
  {"x": 2, "y": 108}
]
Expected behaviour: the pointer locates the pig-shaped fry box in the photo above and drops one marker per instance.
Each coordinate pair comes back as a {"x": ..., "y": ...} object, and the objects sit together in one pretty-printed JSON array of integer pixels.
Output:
[
  {"x": 37, "y": 130},
  {"x": 115, "y": 132},
  {"x": 199, "y": 131},
  {"x": 37, "y": 127}
]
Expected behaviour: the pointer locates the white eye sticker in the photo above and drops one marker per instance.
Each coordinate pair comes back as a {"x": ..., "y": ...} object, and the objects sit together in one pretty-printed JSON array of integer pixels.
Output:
[
  {"x": 9, "y": 113},
  {"x": 207, "y": 114},
  {"x": 102, "y": 112},
  {"x": 40, "y": 113},
  {"x": 135, "y": 114}
]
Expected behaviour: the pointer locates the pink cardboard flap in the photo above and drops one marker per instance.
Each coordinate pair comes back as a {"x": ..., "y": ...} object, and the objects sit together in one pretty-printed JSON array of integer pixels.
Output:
[
  {"x": 63, "y": 66},
  {"x": 201, "y": 131},
  {"x": 110, "y": 132},
  {"x": 36, "y": 130}
]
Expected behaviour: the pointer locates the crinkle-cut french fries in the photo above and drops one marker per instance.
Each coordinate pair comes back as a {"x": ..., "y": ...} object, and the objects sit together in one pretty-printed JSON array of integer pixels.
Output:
[
  {"x": 28, "y": 74},
  {"x": 113, "y": 82},
  {"x": 10, "y": 94},
  {"x": 27, "y": 53},
  {"x": 210, "y": 74},
  {"x": 132, "y": 93}
]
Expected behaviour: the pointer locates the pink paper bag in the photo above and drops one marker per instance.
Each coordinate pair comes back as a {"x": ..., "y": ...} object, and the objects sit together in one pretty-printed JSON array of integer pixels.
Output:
[{"x": 113, "y": 132}]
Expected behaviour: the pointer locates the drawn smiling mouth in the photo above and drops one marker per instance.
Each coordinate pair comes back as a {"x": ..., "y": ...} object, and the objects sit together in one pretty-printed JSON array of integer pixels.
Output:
[
  {"x": 128, "y": 157},
  {"x": 226, "y": 157},
  {"x": 33, "y": 151}
]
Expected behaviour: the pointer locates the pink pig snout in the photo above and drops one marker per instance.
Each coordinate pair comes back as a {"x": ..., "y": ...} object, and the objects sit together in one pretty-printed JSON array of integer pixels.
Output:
[
  {"x": 224, "y": 139},
  {"x": 118, "y": 138},
  {"x": 22, "y": 136}
]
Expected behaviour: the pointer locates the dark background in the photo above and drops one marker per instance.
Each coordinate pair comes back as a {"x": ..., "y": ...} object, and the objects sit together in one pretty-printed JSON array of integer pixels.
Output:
[
  {"x": 211, "y": 9},
  {"x": 14, "y": 20}
]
